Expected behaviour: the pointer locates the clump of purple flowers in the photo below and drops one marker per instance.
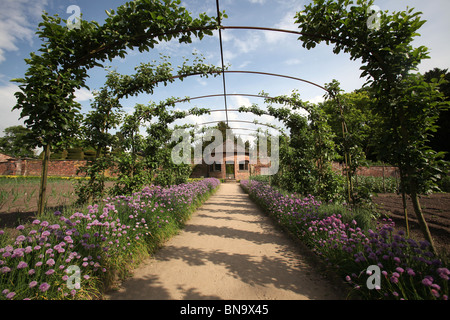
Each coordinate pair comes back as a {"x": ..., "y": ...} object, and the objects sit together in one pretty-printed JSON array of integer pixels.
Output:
[
  {"x": 36, "y": 264},
  {"x": 409, "y": 269}
]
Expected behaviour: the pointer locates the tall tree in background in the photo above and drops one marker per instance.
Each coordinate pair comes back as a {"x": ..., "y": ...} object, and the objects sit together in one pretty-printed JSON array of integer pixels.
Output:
[
  {"x": 17, "y": 142},
  {"x": 440, "y": 140}
]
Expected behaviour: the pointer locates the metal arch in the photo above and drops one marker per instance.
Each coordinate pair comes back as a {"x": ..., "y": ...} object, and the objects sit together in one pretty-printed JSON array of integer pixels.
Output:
[
  {"x": 277, "y": 75},
  {"x": 262, "y": 29},
  {"x": 221, "y": 57},
  {"x": 249, "y": 72},
  {"x": 240, "y": 121},
  {"x": 221, "y": 94}
]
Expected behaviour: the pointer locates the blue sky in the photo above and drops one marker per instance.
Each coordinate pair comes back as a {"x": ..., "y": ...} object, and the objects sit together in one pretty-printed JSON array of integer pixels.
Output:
[{"x": 244, "y": 49}]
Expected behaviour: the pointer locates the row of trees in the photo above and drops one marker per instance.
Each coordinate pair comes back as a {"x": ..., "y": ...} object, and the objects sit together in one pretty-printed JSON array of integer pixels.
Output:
[
  {"x": 407, "y": 105},
  {"x": 393, "y": 118},
  {"x": 46, "y": 96}
]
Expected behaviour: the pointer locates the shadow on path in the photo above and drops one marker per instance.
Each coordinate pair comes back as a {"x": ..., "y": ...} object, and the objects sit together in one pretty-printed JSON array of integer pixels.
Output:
[{"x": 228, "y": 250}]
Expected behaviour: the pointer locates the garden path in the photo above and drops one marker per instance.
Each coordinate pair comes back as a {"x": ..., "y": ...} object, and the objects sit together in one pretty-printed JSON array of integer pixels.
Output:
[{"x": 228, "y": 250}]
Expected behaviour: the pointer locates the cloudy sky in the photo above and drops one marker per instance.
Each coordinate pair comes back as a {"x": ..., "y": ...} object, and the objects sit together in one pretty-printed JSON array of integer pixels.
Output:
[{"x": 244, "y": 50}]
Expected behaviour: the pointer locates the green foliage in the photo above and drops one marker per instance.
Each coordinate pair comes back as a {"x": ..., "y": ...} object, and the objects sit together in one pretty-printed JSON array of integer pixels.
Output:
[
  {"x": 17, "y": 142},
  {"x": 407, "y": 105},
  {"x": 439, "y": 141},
  {"x": 375, "y": 184},
  {"x": 361, "y": 123},
  {"x": 444, "y": 184},
  {"x": 46, "y": 98},
  {"x": 305, "y": 156}
]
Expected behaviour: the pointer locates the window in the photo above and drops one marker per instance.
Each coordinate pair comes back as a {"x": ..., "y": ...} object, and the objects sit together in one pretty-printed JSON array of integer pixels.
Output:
[
  {"x": 217, "y": 167},
  {"x": 243, "y": 166}
]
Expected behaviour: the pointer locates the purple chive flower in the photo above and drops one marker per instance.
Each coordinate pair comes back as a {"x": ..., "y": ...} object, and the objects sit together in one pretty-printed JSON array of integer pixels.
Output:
[
  {"x": 22, "y": 265},
  {"x": 435, "y": 293},
  {"x": 44, "y": 287},
  {"x": 20, "y": 238},
  {"x": 10, "y": 295},
  {"x": 427, "y": 281},
  {"x": 443, "y": 273},
  {"x": 5, "y": 270},
  {"x": 435, "y": 286},
  {"x": 20, "y": 227},
  {"x": 32, "y": 284},
  {"x": 50, "y": 272},
  {"x": 50, "y": 262},
  {"x": 410, "y": 272}
]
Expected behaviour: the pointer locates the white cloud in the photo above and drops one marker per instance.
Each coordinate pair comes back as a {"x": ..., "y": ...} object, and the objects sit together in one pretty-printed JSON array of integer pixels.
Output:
[
  {"x": 7, "y": 102},
  {"x": 293, "y": 61},
  {"x": 83, "y": 94},
  {"x": 202, "y": 82},
  {"x": 228, "y": 55},
  {"x": 250, "y": 43},
  {"x": 236, "y": 45},
  {"x": 239, "y": 101},
  {"x": 15, "y": 26},
  {"x": 286, "y": 23},
  {"x": 317, "y": 99}
]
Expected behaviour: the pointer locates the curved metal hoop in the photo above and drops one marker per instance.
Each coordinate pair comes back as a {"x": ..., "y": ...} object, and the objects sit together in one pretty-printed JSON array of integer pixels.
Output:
[
  {"x": 221, "y": 95},
  {"x": 241, "y": 121}
]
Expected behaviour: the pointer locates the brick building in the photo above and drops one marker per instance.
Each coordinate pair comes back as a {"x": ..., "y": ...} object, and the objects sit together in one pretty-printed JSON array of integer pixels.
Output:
[{"x": 231, "y": 163}]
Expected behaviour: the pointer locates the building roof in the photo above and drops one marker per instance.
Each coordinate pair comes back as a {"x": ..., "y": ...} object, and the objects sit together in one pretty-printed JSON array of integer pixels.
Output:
[
  {"x": 229, "y": 147},
  {"x": 5, "y": 157}
]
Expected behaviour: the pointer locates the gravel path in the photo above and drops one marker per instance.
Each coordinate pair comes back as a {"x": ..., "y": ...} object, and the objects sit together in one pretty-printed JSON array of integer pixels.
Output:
[{"x": 228, "y": 250}]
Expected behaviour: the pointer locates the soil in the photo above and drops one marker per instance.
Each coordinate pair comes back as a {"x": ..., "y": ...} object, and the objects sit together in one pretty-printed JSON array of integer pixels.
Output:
[
  {"x": 23, "y": 209},
  {"x": 229, "y": 250},
  {"x": 436, "y": 209}
]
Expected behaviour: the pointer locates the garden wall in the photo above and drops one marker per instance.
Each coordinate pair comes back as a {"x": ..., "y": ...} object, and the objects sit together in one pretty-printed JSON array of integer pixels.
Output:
[
  {"x": 68, "y": 168},
  {"x": 32, "y": 167},
  {"x": 373, "y": 171}
]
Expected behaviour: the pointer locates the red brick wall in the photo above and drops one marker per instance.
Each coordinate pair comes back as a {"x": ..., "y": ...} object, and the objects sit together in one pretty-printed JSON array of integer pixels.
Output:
[
  {"x": 31, "y": 167},
  {"x": 199, "y": 170},
  {"x": 63, "y": 168},
  {"x": 7, "y": 168},
  {"x": 374, "y": 171}
]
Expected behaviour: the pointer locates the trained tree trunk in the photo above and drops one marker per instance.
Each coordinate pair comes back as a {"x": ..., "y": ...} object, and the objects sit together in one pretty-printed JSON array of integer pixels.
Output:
[
  {"x": 43, "y": 186},
  {"x": 422, "y": 223}
]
